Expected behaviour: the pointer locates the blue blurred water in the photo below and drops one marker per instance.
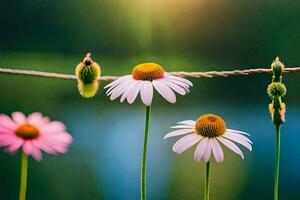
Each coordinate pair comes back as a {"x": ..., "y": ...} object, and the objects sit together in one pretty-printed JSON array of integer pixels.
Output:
[
  {"x": 112, "y": 137},
  {"x": 104, "y": 160}
]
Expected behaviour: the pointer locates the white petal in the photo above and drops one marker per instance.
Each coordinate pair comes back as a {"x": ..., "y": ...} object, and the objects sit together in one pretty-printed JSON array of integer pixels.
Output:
[
  {"x": 237, "y": 139},
  {"x": 188, "y": 122},
  {"x": 179, "y": 83},
  {"x": 117, "y": 91},
  {"x": 200, "y": 149},
  {"x": 173, "y": 86},
  {"x": 217, "y": 150},
  {"x": 236, "y": 131},
  {"x": 178, "y": 132},
  {"x": 128, "y": 89},
  {"x": 231, "y": 146},
  {"x": 239, "y": 136},
  {"x": 146, "y": 93},
  {"x": 134, "y": 92},
  {"x": 118, "y": 81},
  {"x": 187, "y": 143},
  {"x": 124, "y": 84},
  {"x": 180, "y": 79},
  {"x": 184, "y": 140},
  {"x": 164, "y": 91},
  {"x": 207, "y": 151},
  {"x": 183, "y": 126}
]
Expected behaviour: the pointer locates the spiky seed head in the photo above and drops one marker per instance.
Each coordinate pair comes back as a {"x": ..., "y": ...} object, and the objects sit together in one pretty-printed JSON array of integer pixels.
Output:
[
  {"x": 276, "y": 89},
  {"x": 210, "y": 125}
]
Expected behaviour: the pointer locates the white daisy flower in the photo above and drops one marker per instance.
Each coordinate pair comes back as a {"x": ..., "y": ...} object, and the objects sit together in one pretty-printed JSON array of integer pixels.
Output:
[
  {"x": 142, "y": 80},
  {"x": 208, "y": 131}
]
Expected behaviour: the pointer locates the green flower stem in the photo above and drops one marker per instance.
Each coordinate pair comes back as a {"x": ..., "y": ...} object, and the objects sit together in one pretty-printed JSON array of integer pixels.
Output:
[
  {"x": 207, "y": 181},
  {"x": 144, "y": 158},
  {"x": 277, "y": 161},
  {"x": 23, "y": 180}
]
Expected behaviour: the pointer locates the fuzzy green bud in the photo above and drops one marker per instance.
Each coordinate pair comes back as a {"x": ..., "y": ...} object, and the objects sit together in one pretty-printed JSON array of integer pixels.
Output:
[
  {"x": 276, "y": 89},
  {"x": 87, "y": 73},
  {"x": 277, "y": 68}
]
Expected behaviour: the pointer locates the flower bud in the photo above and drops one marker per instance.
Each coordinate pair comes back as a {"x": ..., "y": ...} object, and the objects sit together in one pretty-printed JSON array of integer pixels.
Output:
[
  {"x": 277, "y": 68},
  {"x": 87, "y": 73}
]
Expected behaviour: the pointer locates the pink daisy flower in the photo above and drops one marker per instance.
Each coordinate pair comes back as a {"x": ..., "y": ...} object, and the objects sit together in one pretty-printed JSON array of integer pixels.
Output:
[
  {"x": 208, "y": 131},
  {"x": 33, "y": 134},
  {"x": 142, "y": 80}
]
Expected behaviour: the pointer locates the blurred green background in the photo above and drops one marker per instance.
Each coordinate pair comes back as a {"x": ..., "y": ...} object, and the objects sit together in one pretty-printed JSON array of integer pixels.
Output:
[{"x": 191, "y": 35}]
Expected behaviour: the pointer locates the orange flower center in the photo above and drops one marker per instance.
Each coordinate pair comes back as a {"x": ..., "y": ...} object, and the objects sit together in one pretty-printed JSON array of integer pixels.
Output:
[
  {"x": 27, "y": 131},
  {"x": 147, "y": 71},
  {"x": 210, "y": 125}
]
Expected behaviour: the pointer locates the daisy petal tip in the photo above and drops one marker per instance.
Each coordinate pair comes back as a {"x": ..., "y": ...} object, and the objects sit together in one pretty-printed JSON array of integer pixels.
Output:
[
  {"x": 38, "y": 158},
  {"x": 147, "y": 104}
]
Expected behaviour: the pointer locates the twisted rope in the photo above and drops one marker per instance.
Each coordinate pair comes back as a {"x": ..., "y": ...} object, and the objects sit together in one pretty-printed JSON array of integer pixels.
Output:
[{"x": 209, "y": 74}]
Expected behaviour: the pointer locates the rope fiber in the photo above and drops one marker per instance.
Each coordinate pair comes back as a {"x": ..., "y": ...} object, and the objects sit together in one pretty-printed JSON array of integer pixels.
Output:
[{"x": 208, "y": 74}]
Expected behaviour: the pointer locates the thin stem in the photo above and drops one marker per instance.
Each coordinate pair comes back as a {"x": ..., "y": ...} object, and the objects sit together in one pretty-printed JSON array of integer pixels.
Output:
[
  {"x": 23, "y": 180},
  {"x": 144, "y": 158},
  {"x": 277, "y": 161},
  {"x": 207, "y": 181}
]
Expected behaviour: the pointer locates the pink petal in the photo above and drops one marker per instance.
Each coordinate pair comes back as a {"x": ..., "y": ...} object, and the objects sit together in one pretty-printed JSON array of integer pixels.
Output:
[
  {"x": 36, "y": 153},
  {"x": 15, "y": 146},
  {"x": 60, "y": 137},
  {"x": 7, "y": 122},
  {"x": 54, "y": 143},
  {"x": 7, "y": 139},
  {"x": 19, "y": 118},
  {"x": 30, "y": 149},
  {"x": 27, "y": 147},
  {"x": 52, "y": 127},
  {"x": 44, "y": 145},
  {"x": 37, "y": 119}
]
